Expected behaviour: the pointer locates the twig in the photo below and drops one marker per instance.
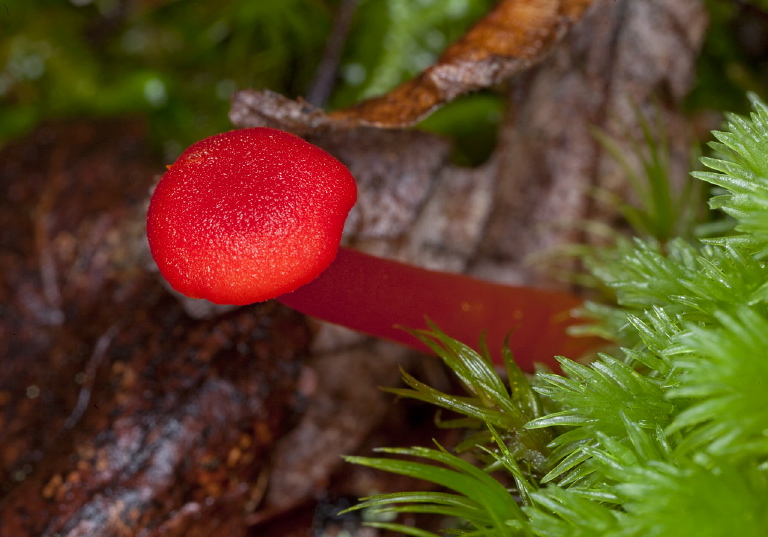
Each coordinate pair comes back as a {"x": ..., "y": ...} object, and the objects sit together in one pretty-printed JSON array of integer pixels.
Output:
[{"x": 325, "y": 76}]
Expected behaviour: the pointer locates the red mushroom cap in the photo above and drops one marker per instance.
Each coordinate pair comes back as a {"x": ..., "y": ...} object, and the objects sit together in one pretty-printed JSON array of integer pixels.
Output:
[{"x": 248, "y": 215}]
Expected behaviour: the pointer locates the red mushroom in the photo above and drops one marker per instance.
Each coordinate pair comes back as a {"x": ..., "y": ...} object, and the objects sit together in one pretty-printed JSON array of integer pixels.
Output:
[
  {"x": 248, "y": 215},
  {"x": 254, "y": 214}
]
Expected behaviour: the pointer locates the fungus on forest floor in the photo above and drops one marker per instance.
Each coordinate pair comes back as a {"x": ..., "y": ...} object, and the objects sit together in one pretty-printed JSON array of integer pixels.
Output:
[{"x": 255, "y": 214}]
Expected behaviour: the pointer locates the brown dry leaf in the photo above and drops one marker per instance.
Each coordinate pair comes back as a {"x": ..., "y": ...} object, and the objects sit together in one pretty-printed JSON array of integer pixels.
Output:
[{"x": 516, "y": 35}]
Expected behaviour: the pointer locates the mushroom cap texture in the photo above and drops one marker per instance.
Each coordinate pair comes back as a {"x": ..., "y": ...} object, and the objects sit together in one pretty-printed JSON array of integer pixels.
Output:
[{"x": 248, "y": 215}]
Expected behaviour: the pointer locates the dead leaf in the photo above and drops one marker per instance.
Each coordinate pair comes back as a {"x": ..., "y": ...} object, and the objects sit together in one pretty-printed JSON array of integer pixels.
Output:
[
  {"x": 513, "y": 37},
  {"x": 119, "y": 414}
]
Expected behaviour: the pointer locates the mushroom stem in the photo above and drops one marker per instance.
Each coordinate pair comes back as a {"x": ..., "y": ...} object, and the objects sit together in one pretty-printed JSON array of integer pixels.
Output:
[
  {"x": 375, "y": 296},
  {"x": 250, "y": 215}
]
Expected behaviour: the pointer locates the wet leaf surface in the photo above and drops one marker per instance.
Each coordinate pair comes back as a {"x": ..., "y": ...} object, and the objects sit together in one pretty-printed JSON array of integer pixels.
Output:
[{"x": 117, "y": 410}]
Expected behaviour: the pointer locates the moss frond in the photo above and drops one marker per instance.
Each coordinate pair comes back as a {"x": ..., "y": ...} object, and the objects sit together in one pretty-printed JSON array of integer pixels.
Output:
[
  {"x": 480, "y": 501},
  {"x": 662, "y": 211},
  {"x": 742, "y": 170},
  {"x": 597, "y": 400},
  {"x": 667, "y": 438},
  {"x": 489, "y": 402},
  {"x": 563, "y": 513},
  {"x": 725, "y": 378},
  {"x": 663, "y": 499}
]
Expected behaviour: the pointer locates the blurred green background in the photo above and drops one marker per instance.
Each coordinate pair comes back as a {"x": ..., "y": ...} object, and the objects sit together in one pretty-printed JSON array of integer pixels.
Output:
[{"x": 177, "y": 62}]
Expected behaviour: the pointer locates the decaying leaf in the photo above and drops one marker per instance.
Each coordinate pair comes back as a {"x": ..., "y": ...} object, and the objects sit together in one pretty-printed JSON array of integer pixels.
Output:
[
  {"x": 512, "y": 38},
  {"x": 119, "y": 414}
]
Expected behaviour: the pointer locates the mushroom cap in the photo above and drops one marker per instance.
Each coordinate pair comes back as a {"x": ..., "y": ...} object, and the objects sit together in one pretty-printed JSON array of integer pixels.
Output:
[{"x": 248, "y": 215}]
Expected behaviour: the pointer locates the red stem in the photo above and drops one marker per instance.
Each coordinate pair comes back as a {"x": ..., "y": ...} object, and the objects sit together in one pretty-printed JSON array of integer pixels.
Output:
[{"x": 374, "y": 295}]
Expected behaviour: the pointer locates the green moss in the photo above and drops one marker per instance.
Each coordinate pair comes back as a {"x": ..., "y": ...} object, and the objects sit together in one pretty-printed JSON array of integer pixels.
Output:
[{"x": 667, "y": 438}]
